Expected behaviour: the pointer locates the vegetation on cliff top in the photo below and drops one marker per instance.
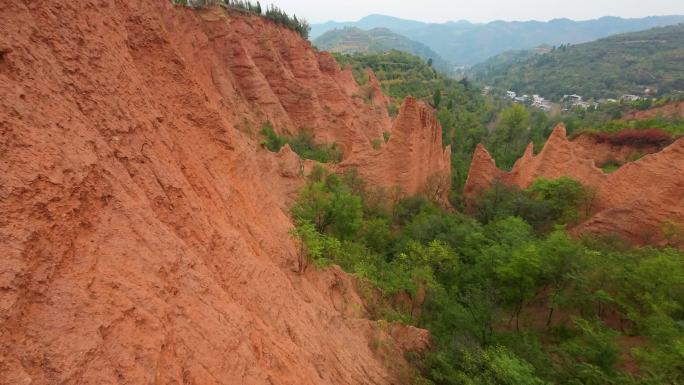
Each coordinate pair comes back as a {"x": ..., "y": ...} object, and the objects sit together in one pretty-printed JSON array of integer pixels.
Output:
[{"x": 273, "y": 13}]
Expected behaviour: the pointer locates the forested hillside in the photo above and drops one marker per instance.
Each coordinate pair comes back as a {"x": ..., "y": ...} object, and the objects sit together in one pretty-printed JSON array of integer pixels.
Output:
[
  {"x": 465, "y": 43},
  {"x": 648, "y": 62},
  {"x": 351, "y": 40}
]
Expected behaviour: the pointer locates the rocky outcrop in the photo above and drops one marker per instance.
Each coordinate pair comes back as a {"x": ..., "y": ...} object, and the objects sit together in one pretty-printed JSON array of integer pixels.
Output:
[
  {"x": 413, "y": 158},
  {"x": 559, "y": 157},
  {"x": 144, "y": 233},
  {"x": 643, "y": 200},
  {"x": 635, "y": 201},
  {"x": 483, "y": 172},
  {"x": 378, "y": 97}
]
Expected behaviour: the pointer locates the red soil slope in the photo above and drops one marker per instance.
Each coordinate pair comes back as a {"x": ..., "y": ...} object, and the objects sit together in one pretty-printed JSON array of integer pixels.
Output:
[
  {"x": 635, "y": 201},
  {"x": 144, "y": 234},
  {"x": 673, "y": 110}
]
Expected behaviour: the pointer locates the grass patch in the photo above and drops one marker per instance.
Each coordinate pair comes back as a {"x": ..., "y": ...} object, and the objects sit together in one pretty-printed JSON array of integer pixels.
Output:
[
  {"x": 302, "y": 144},
  {"x": 610, "y": 168}
]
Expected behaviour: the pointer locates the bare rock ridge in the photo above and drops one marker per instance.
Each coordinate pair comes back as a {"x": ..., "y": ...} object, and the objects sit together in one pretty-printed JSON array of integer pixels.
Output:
[
  {"x": 635, "y": 202},
  {"x": 413, "y": 158},
  {"x": 144, "y": 233},
  {"x": 482, "y": 173}
]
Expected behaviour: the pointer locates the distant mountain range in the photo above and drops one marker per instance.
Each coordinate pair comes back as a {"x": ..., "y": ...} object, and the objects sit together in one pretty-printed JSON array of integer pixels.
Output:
[
  {"x": 465, "y": 43},
  {"x": 629, "y": 63},
  {"x": 377, "y": 40}
]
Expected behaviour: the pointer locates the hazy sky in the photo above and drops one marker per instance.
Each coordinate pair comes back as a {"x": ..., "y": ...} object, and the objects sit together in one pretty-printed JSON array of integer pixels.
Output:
[{"x": 477, "y": 10}]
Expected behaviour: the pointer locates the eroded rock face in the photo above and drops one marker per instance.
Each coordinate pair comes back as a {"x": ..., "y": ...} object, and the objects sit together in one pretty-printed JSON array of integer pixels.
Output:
[
  {"x": 288, "y": 84},
  {"x": 642, "y": 199},
  {"x": 559, "y": 157},
  {"x": 636, "y": 202},
  {"x": 143, "y": 232},
  {"x": 282, "y": 80},
  {"x": 413, "y": 158},
  {"x": 483, "y": 172},
  {"x": 604, "y": 152}
]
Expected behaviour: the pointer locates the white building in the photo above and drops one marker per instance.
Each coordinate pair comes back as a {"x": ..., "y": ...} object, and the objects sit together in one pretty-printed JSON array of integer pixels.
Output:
[
  {"x": 542, "y": 104},
  {"x": 631, "y": 98}
]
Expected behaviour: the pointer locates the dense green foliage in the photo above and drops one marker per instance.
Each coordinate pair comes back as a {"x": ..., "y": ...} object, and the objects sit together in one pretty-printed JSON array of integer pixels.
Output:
[
  {"x": 377, "y": 40},
  {"x": 507, "y": 301},
  {"x": 273, "y": 13},
  {"x": 302, "y": 143},
  {"x": 400, "y": 74},
  {"x": 545, "y": 204},
  {"x": 467, "y": 43},
  {"x": 606, "y": 68}
]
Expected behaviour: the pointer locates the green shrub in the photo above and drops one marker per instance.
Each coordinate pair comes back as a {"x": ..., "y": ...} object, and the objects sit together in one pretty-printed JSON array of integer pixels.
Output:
[
  {"x": 272, "y": 141},
  {"x": 591, "y": 354},
  {"x": 610, "y": 166},
  {"x": 544, "y": 204},
  {"x": 563, "y": 196},
  {"x": 332, "y": 209},
  {"x": 392, "y": 110},
  {"x": 302, "y": 144}
]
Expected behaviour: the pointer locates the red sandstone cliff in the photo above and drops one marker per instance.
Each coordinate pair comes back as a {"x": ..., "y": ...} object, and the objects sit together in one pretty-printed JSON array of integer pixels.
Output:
[
  {"x": 144, "y": 234},
  {"x": 483, "y": 172},
  {"x": 286, "y": 82},
  {"x": 635, "y": 201},
  {"x": 412, "y": 158}
]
